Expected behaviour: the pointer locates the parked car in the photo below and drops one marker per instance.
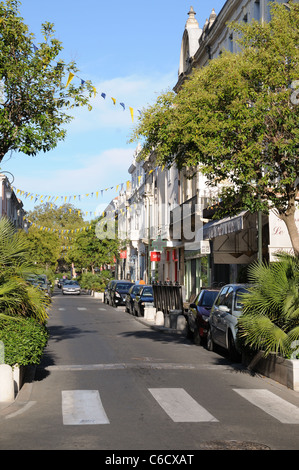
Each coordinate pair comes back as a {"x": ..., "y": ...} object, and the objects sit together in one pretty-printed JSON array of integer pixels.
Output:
[
  {"x": 198, "y": 314},
  {"x": 118, "y": 292},
  {"x": 41, "y": 281},
  {"x": 108, "y": 291},
  {"x": 144, "y": 296},
  {"x": 130, "y": 296},
  {"x": 223, "y": 319},
  {"x": 71, "y": 287},
  {"x": 105, "y": 294}
]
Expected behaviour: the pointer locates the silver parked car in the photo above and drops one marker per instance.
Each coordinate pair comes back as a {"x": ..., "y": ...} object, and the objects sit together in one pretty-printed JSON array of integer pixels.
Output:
[
  {"x": 223, "y": 319},
  {"x": 71, "y": 287}
]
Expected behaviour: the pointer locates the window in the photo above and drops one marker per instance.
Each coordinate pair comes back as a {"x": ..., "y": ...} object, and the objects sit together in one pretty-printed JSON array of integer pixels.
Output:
[
  {"x": 257, "y": 10},
  {"x": 238, "y": 298},
  {"x": 231, "y": 43}
]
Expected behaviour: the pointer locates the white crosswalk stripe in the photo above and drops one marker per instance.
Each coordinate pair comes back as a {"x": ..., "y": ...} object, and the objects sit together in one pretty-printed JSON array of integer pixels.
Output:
[
  {"x": 83, "y": 407},
  {"x": 275, "y": 406},
  {"x": 180, "y": 406}
]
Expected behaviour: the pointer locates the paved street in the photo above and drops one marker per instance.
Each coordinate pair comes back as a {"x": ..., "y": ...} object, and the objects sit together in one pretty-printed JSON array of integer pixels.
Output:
[{"x": 109, "y": 382}]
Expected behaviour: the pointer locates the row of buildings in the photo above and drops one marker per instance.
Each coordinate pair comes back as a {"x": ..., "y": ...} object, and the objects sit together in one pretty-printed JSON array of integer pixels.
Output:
[
  {"x": 165, "y": 216},
  {"x": 11, "y": 206}
]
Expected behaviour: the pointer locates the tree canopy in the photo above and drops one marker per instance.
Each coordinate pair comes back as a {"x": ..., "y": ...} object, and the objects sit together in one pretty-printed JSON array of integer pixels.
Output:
[
  {"x": 236, "y": 120},
  {"x": 34, "y": 100}
]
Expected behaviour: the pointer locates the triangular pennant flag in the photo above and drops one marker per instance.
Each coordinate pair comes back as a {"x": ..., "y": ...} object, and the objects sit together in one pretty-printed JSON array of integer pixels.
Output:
[
  {"x": 114, "y": 100},
  {"x": 132, "y": 113},
  {"x": 103, "y": 95},
  {"x": 71, "y": 76},
  {"x": 123, "y": 105}
]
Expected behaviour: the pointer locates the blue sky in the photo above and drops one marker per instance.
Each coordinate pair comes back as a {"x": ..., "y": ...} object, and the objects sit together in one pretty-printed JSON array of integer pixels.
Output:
[{"x": 130, "y": 51}]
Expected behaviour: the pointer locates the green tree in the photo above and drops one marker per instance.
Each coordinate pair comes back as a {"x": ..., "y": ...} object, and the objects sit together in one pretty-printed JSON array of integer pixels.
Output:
[
  {"x": 236, "y": 121},
  {"x": 88, "y": 251},
  {"x": 50, "y": 230},
  {"x": 34, "y": 102}
]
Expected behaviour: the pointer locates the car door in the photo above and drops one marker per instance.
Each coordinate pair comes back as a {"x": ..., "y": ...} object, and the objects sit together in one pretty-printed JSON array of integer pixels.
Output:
[
  {"x": 215, "y": 317},
  {"x": 225, "y": 316}
]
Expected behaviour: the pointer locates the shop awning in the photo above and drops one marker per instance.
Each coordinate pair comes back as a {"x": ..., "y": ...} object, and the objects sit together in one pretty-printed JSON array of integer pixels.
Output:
[{"x": 217, "y": 228}]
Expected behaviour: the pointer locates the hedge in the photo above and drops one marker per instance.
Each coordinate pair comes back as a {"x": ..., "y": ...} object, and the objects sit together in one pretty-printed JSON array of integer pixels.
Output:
[{"x": 24, "y": 340}]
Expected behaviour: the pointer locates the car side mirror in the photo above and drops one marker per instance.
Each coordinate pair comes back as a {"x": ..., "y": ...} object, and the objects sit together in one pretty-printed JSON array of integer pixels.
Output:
[
  {"x": 192, "y": 306},
  {"x": 224, "y": 309}
]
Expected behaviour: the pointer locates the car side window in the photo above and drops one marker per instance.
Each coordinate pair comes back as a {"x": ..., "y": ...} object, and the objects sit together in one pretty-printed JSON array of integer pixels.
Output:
[
  {"x": 221, "y": 297},
  {"x": 228, "y": 300},
  {"x": 238, "y": 298}
]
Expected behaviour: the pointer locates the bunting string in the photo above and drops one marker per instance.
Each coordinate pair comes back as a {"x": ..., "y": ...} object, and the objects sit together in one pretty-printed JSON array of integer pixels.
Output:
[
  {"x": 53, "y": 199},
  {"x": 71, "y": 76}
]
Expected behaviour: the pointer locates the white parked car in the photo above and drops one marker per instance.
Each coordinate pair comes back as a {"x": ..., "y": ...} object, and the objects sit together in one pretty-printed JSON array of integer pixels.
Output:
[{"x": 223, "y": 319}]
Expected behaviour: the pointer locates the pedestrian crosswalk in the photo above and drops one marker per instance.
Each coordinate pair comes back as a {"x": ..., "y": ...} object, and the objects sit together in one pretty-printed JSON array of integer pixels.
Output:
[{"x": 85, "y": 407}]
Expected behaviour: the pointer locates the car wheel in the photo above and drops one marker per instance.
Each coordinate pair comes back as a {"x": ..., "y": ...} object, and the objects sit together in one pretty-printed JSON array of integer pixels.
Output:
[{"x": 210, "y": 342}]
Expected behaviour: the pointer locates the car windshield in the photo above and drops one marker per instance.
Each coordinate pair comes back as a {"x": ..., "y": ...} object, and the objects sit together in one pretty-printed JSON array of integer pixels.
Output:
[
  {"x": 208, "y": 298},
  {"x": 71, "y": 283},
  {"x": 147, "y": 292},
  {"x": 123, "y": 287}
]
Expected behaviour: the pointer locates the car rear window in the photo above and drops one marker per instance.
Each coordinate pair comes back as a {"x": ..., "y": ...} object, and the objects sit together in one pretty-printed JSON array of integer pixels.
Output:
[{"x": 147, "y": 292}]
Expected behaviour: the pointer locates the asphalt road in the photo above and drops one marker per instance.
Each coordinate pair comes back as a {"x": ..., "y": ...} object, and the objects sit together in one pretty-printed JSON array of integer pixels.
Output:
[{"x": 108, "y": 382}]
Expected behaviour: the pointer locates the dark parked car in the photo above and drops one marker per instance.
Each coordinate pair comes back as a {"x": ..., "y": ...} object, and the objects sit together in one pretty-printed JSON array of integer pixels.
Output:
[
  {"x": 130, "y": 296},
  {"x": 41, "y": 281},
  {"x": 224, "y": 316},
  {"x": 144, "y": 296},
  {"x": 118, "y": 292},
  {"x": 107, "y": 295},
  {"x": 198, "y": 314}
]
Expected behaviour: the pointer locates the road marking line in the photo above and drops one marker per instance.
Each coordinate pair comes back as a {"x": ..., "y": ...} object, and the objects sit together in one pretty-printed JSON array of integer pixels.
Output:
[
  {"x": 82, "y": 407},
  {"x": 180, "y": 406},
  {"x": 81, "y": 308},
  {"x": 62, "y": 308},
  {"x": 275, "y": 406},
  {"x": 21, "y": 410},
  {"x": 102, "y": 309}
]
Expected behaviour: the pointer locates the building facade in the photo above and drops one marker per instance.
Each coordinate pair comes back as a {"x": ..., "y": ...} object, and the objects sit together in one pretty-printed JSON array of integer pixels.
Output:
[
  {"x": 10, "y": 206},
  {"x": 165, "y": 215}
]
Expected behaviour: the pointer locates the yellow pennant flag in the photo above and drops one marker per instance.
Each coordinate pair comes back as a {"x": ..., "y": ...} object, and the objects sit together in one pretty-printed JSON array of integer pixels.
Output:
[
  {"x": 114, "y": 100},
  {"x": 132, "y": 113},
  {"x": 94, "y": 91},
  {"x": 71, "y": 76}
]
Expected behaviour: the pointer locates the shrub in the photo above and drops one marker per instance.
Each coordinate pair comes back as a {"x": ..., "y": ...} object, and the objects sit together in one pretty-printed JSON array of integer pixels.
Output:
[
  {"x": 270, "y": 319},
  {"x": 96, "y": 282},
  {"x": 24, "y": 340}
]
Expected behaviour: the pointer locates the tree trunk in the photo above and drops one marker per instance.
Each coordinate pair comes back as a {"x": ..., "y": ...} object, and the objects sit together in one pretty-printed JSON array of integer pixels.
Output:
[{"x": 289, "y": 218}]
